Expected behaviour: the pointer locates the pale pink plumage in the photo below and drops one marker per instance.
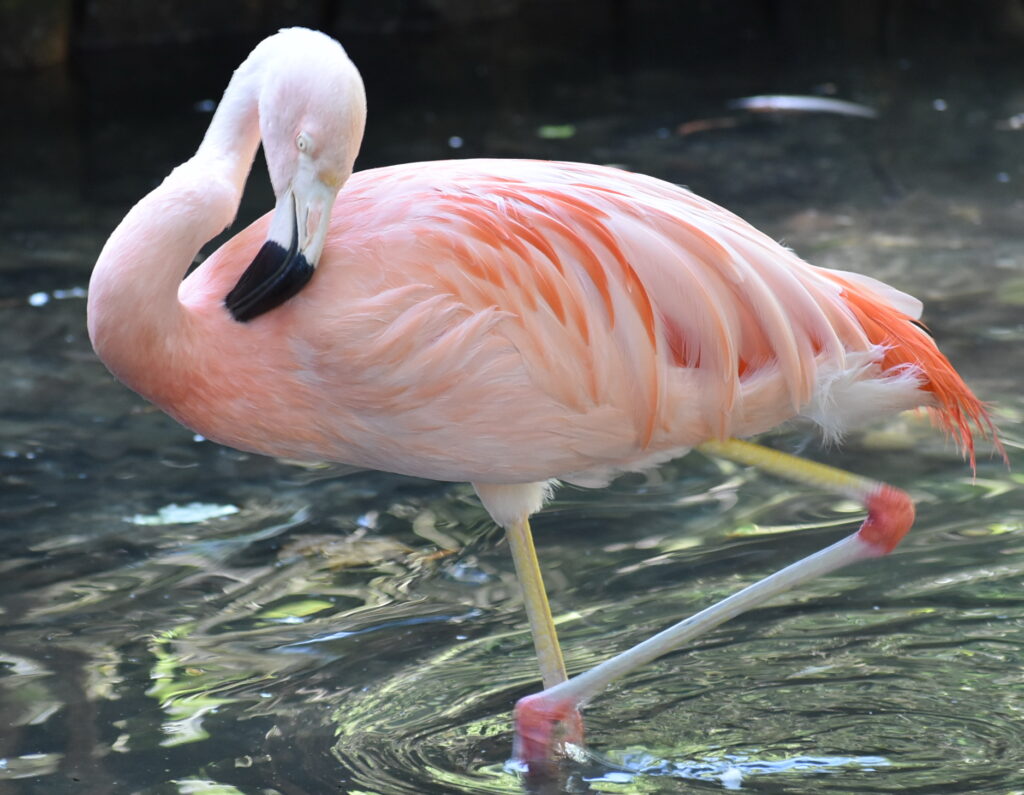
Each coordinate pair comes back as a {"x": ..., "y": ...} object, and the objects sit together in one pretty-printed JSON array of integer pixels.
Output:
[{"x": 503, "y": 321}]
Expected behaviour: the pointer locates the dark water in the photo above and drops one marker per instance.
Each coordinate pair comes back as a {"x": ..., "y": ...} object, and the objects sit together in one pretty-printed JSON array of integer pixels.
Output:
[{"x": 363, "y": 634}]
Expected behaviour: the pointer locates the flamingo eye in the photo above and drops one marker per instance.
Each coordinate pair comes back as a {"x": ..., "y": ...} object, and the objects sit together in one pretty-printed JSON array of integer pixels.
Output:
[{"x": 303, "y": 142}]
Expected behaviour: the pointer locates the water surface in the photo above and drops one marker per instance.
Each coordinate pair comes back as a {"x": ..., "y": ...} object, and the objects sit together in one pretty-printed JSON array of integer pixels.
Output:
[{"x": 300, "y": 630}]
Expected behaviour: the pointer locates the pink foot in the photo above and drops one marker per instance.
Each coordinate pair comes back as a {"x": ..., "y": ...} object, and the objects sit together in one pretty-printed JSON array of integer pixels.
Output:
[{"x": 543, "y": 726}]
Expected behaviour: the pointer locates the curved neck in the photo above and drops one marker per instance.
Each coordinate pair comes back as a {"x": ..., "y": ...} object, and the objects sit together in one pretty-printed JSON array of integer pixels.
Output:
[{"x": 134, "y": 314}]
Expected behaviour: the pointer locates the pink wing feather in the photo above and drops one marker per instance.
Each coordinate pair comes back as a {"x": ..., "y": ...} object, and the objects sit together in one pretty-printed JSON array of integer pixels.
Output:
[{"x": 512, "y": 321}]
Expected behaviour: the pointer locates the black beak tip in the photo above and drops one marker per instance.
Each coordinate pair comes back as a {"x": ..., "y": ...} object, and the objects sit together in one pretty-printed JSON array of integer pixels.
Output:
[{"x": 275, "y": 275}]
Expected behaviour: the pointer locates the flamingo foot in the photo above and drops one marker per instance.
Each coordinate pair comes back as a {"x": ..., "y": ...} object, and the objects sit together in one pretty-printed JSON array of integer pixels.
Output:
[{"x": 544, "y": 725}]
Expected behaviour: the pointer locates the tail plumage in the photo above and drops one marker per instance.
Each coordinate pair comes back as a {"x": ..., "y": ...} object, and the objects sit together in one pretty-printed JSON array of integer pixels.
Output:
[{"x": 908, "y": 344}]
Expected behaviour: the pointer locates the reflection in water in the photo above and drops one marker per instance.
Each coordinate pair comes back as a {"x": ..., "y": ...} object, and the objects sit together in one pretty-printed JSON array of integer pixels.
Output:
[{"x": 363, "y": 633}]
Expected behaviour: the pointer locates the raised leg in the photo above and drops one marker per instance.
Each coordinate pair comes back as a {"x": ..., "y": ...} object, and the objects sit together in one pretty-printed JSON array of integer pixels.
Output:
[{"x": 890, "y": 515}]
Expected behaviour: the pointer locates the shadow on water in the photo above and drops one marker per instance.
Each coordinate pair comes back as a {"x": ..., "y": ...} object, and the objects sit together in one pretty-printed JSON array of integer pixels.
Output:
[{"x": 289, "y": 629}]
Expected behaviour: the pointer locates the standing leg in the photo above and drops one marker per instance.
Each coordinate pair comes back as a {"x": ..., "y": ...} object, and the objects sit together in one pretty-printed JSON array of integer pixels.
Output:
[
  {"x": 511, "y": 505},
  {"x": 535, "y": 599},
  {"x": 890, "y": 515},
  {"x": 542, "y": 627}
]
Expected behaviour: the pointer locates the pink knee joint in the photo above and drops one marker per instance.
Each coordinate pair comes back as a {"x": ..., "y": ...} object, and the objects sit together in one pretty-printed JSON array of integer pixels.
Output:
[{"x": 890, "y": 516}]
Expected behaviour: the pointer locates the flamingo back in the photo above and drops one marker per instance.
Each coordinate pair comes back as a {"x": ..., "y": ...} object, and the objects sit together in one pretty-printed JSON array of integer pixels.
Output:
[{"x": 513, "y": 321}]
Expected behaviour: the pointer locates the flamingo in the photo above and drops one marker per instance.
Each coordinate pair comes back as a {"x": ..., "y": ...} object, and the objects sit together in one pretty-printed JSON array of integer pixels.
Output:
[{"x": 509, "y": 323}]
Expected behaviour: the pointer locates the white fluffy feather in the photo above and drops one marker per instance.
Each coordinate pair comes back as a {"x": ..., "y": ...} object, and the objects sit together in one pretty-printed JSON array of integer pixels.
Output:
[{"x": 847, "y": 398}]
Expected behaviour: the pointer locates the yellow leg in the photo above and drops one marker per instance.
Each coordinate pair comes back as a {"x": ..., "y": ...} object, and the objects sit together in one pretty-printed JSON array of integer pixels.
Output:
[
  {"x": 545, "y": 639},
  {"x": 792, "y": 467}
]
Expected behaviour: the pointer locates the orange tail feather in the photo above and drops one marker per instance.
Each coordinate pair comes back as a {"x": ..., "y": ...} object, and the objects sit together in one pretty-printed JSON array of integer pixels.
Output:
[{"x": 907, "y": 343}]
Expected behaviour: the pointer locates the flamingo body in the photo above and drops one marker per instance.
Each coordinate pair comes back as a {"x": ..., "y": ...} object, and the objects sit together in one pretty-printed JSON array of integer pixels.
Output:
[{"x": 503, "y": 321}]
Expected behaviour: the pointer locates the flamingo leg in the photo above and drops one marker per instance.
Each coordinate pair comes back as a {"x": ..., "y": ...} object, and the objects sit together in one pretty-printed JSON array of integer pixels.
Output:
[
  {"x": 538, "y": 611},
  {"x": 542, "y": 627},
  {"x": 890, "y": 515}
]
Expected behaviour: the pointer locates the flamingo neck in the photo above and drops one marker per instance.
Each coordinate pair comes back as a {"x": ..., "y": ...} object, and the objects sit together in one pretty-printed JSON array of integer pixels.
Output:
[{"x": 135, "y": 318}]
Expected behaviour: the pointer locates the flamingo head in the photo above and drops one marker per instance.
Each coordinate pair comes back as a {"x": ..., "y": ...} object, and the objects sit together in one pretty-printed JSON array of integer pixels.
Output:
[{"x": 312, "y": 111}]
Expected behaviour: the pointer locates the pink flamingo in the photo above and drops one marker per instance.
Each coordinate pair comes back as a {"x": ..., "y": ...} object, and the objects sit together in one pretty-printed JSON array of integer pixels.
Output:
[{"x": 504, "y": 322}]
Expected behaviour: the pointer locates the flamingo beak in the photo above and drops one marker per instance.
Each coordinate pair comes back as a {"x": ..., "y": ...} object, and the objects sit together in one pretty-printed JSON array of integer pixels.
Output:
[
  {"x": 286, "y": 261},
  {"x": 313, "y": 217}
]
